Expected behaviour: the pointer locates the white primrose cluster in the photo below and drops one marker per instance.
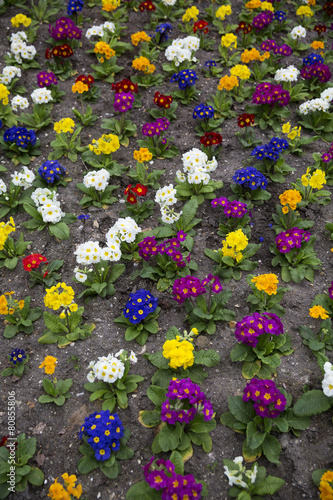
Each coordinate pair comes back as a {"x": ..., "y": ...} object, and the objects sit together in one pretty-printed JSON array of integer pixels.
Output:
[
  {"x": 196, "y": 167},
  {"x": 108, "y": 368},
  {"x": 289, "y": 74},
  {"x": 327, "y": 94},
  {"x": 166, "y": 197},
  {"x": 236, "y": 476},
  {"x": 19, "y": 102},
  {"x": 327, "y": 383},
  {"x": 41, "y": 96},
  {"x": 19, "y": 49},
  {"x": 24, "y": 179},
  {"x": 47, "y": 205},
  {"x": 3, "y": 187},
  {"x": 99, "y": 30},
  {"x": 9, "y": 73},
  {"x": 318, "y": 104},
  {"x": 298, "y": 32},
  {"x": 97, "y": 179},
  {"x": 168, "y": 3},
  {"x": 124, "y": 230},
  {"x": 181, "y": 49}
]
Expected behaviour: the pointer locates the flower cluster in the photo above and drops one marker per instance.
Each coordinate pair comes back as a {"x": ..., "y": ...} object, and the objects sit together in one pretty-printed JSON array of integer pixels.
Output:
[
  {"x": 104, "y": 432},
  {"x": 139, "y": 305},
  {"x": 289, "y": 74},
  {"x": 60, "y": 295},
  {"x": 143, "y": 64},
  {"x": 17, "y": 356},
  {"x": 312, "y": 59},
  {"x": 320, "y": 71},
  {"x": 191, "y": 13},
  {"x": 290, "y": 197},
  {"x": 211, "y": 139},
  {"x": 262, "y": 20},
  {"x": 86, "y": 79},
  {"x": 268, "y": 400},
  {"x": 140, "y": 36},
  {"x": 133, "y": 192},
  {"x": 147, "y": 5},
  {"x": 125, "y": 85},
  {"x": 99, "y": 30},
  {"x": 163, "y": 30},
  {"x": 48, "y": 205},
  {"x": 271, "y": 150},
  {"x": 231, "y": 209},
  {"x": 327, "y": 383},
  {"x": 318, "y": 312},
  {"x": 203, "y": 112},
  {"x": 234, "y": 244},
  {"x": 251, "y": 178},
  {"x": 97, "y": 179},
  {"x": 19, "y": 102},
  {"x": 9, "y": 73},
  {"x": 190, "y": 287},
  {"x": 156, "y": 128},
  {"x": 123, "y": 101},
  {"x": 107, "y": 369},
  {"x": 105, "y": 50},
  {"x": 184, "y": 400},
  {"x": 46, "y": 79},
  {"x": 160, "y": 475},
  {"x": 315, "y": 180},
  {"x": 49, "y": 364},
  {"x": 51, "y": 171},
  {"x": 64, "y": 125},
  {"x": 185, "y": 78},
  {"x": 21, "y": 136},
  {"x": 24, "y": 178},
  {"x": 33, "y": 261},
  {"x": 20, "y": 19},
  {"x": 57, "y": 491},
  {"x": 286, "y": 241},
  {"x": 201, "y": 26},
  {"x": 20, "y": 50},
  {"x": 180, "y": 353},
  {"x": 250, "y": 328},
  {"x": 65, "y": 29},
  {"x": 142, "y": 155},
  {"x": 5, "y": 229},
  {"x": 9, "y": 305},
  {"x": 74, "y": 6},
  {"x": 107, "y": 144},
  {"x": 162, "y": 101},
  {"x": 124, "y": 230},
  {"x": 63, "y": 51},
  {"x": 196, "y": 167},
  {"x": 149, "y": 247},
  {"x": 245, "y": 120},
  {"x": 318, "y": 104},
  {"x": 266, "y": 283},
  {"x": 41, "y": 96},
  {"x": 268, "y": 93}
]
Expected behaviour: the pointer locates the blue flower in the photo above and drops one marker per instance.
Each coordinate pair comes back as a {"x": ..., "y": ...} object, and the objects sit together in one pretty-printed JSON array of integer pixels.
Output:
[
  {"x": 74, "y": 6},
  {"x": 313, "y": 59},
  {"x": 139, "y": 305},
  {"x": 21, "y": 136},
  {"x": 17, "y": 356},
  {"x": 209, "y": 64},
  {"x": 250, "y": 178},
  {"x": 51, "y": 171},
  {"x": 185, "y": 78},
  {"x": 83, "y": 217},
  {"x": 104, "y": 432},
  {"x": 280, "y": 16},
  {"x": 203, "y": 112},
  {"x": 164, "y": 30}
]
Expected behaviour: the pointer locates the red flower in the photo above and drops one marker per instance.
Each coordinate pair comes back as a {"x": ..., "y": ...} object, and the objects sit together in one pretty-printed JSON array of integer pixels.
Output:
[
  {"x": 33, "y": 261},
  {"x": 211, "y": 139},
  {"x": 200, "y": 25},
  {"x": 48, "y": 54},
  {"x": 45, "y": 274},
  {"x": 245, "y": 120},
  {"x": 63, "y": 51},
  {"x": 131, "y": 199},
  {"x": 147, "y": 5},
  {"x": 320, "y": 28},
  {"x": 163, "y": 101},
  {"x": 88, "y": 80},
  {"x": 140, "y": 190},
  {"x": 125, "y": 86},
  {"x": 127, "y": 190}
]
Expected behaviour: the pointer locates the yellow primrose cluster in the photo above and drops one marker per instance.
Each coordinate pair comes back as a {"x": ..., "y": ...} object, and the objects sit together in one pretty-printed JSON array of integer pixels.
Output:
[
  {"x": 315, "y": 180},
  {"x": 110, "y": 5},
  {"x": 49, "y": 364},
  {"x": 228, "y": 83},
  {"x": 58, "y": 296},
  {"x": 266, "y": 283},
  {"x": 292, "y": 133},
  {"x": 232, "y": 246},
  {"x": 240, "y": 70},
  {"x": 229, "y": 41},
  {"x": 143, "y": 64},
  {"x": 140, "y": 36},
  {"x": 142, "y": 155},
  {"x": 224, "y": 10},
  {"x": 290, "y": 197},
  {"x": 106, "y": 144},
  {"x": 253, "y": 4},
  {"x": 20, "y": 19},
  {"x": 304, "y": 10},
  {"x": 179, "y": 352},
  {"x": 59, "y": 492},
  {"x": 105, "y": 49},
  {"x": 5, "y": 230},
  {"x": 326, "y": 491},
  {"x": 267, "y": 6},
  {"x": 253, "y": 55},
  {"x": 191, "y": 13},
  {"x": 80, "y": 87},
  {"x": 8, "y": 305},
  {"x": 318, "y": 312},
  {"x": 64, "y": 125},
  {"x": 317, "y": 44},
  {"x": 4, "y": 93}
]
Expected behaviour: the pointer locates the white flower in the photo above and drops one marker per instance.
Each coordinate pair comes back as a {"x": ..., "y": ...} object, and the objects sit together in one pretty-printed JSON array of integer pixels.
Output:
[
  {"x": 110, "y": 26},
  {"x": 97, "y": 179},
  {"x": 166, "y": 196},
  {"x": 327, "y": 94},
  {"x": 133, "y": 357},
  {"x": 328, "y": 367},
  {"x": 298, "y": 32},
  {"x": 43, "y": 195},
  {"x": 238, "y": 460},
  {"x": 19, "y": 102},
  {"x": 233, "y": 479},
  {"x": 23, "y": 179},
  {"x": 3, "y": 187},
  {"x": 81, "y": 277},
  {"x": 95, "y": 31},
  {"x": 41, "y": 96},
  {"x": 327, "y": 385},
  {"x": 289, "y": 74},
  {"x": 119, "y": 353},
  {"x": 169, "y": 3},
  {"x": 192, "y": 43},
  {"x": 51, "y": 212},
  {"x": 109, "y": 369},
  {"x": 304, "y": 108},
  {"x": 88, "y": 253},
  {"x": 252, "y": 474},
  {"x": 9, "y": 73},
  {"x": 180, "y": 176},
  {"x": 168, "y": 215},
  {"x": 91, "y": 377}
]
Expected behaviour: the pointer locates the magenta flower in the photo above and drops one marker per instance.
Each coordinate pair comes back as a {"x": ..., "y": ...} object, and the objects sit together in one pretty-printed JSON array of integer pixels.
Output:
[
  {"x": 46, "y": 79},
  {"x": 123, "y": 101}
]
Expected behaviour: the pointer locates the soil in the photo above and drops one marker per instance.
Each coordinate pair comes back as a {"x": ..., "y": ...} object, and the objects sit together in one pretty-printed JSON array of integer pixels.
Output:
[{"x": 56, "y": 428}]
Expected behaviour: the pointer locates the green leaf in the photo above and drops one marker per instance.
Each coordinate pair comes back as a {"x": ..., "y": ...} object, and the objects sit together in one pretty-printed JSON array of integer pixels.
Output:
[
  {"x": 178, "y": 462},
  {"x": 10, "y": 331},
  {"x": 35, "y": 477},
  {"x": 271, "y": 449},
  {"x": 49, "y": 387},
  {"x": 51, "y": 322},
  {"x": 241, "y": 410},
  {"x": 207, "y": 358},
  {"x": 156, "y": 394},
  {"x": 312, "y": 403},
  {"x": 269, "y": 486},
  {"x": 149, "y": 418},
  {"x": 168, "y": 438},
  {"x": 46, "y": 399},
  {"x": 87, "y": 464},
  {"x": 142, "y": 491}
]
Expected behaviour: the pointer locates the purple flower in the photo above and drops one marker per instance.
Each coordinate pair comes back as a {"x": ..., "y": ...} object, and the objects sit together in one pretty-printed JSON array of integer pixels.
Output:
[
  {"x": 265, "y": 396},
  {"x": 65, "y": 29},
  {"x": 46, "y": 79},
  {"x": 262, "y": 20},
  {"x": 181, "y": 236},
  {"x": 320, "y": 71},
  {"x": 123, "y": 101}
]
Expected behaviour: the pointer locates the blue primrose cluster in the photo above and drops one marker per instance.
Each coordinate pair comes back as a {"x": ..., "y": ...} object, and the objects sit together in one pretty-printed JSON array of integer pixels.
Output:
[
  {"x": 203, "y": 112},
  {"x": 163, "y": 30},
  {"x": 280, "y": 16},
  {"x": 51, "y": 171},
  {"x": 251, "y": 178},
  {"x": 312, "y": 59},
  {"x": 74, "y": 6},
  {"x": 139, "y": 305},
  {"x": 271, "y": 150},
  {"x": 185, "y": 78},
  {"x": 21, "y": 136},
  {"x": 210, "y": 64},
  {"x": 17, "y": 356},
  {"x": 104, "y": 432}
]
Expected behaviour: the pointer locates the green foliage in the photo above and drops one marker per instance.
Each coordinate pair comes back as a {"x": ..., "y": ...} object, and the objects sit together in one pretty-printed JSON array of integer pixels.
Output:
[
  {"x": 100, "y": 281},
  {"x": 21, "y": 321},
  {"x": 97, "y": 198},
  {"x": 18, "y": 370},
  {"x": 12, "y": 250},
  {"x": 200, "y": 192},
  {"x": 59, "y": 230},
  {"x": 261, "y": 302},
  {"x": 38, "y": 119},
  {"x": 140, "y": 331},
  {"x": 63, "y": 331},
  {"x": 228, "y": 268},
  {"x": 56, "y": 392}
]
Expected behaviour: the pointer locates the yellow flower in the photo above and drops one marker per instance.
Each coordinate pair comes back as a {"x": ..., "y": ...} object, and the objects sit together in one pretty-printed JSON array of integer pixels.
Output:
[
  {"x": 318, "y": 312},
  {"x": 4, "y": 93},
  {"x": 110, "y": 5},
  {"x": 76, "y": 492},
  {"x": 191, "y": 13},
  {"x": 49, "y": 364},
  {"x": 69, "y": 479},
  {"x": 142, "y": 155},
  {"x": 290, "y": 197},
  {"x": 143, "y": 64},
  {"x": 250, "y": 55},
  {"x": 107, "y": 144},
  {"x": 318, "y": 179},
  {"x": 267, "y": 6},
  {"x": 20, "y": 19},
  {"x": 5, "y": 230},
  {"x": 104, "y": 48},
  {"x": 179, "y": 352},
  {"x": 3, "y": 305},
  {"x": 229, "y": 40},
  {"x": 285, "y": 210},
  {"x": 317, "y": 44},
  {"x": 253, "y": 4},
  {"x": 140, "y": 36},
  {"x": 304, "y": 10},
  {"x": 240, "y": 70},
  {"x": 228, "y": 83},
  {"x": 266, "y": 283},
  {"x": 64, "y": 125},
  {"x": 224, "y": 10},
  {"x": 80, "y": 87},
  {"x": 73, "y": 307},
  {"x": 235, "y": 242},
  {"x": 58, "y": 296},
  {"x": 286, "y": 128}
]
